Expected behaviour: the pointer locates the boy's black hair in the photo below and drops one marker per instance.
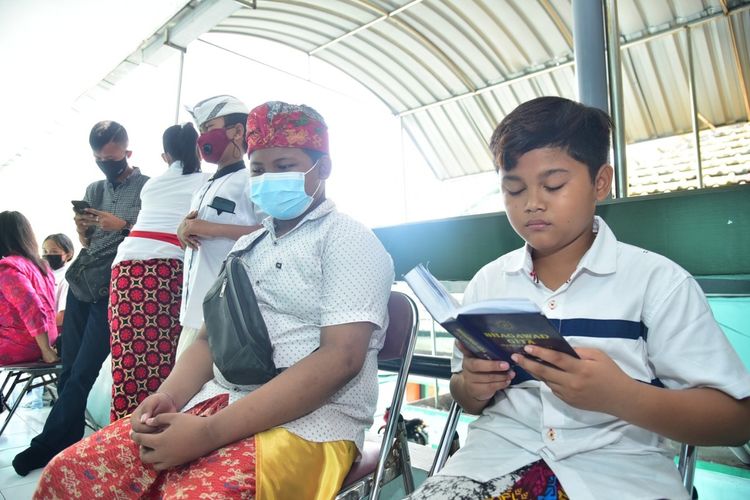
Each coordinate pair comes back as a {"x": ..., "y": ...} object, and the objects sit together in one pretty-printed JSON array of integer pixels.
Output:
[
  {"x": 17, "y": 238},
  {"x": 180, "y": 142},
  {"x": 105, "y": 132},
  {"x": 233, "y": 119},
  {"x": 62, "y": 241},
  {"x": 581, "y": 131}
]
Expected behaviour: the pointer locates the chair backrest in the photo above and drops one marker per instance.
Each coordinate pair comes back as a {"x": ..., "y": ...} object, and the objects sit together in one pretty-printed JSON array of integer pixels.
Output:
[
  {"x": 401, "y": 327},
  {"x": 400, "y": 338}
]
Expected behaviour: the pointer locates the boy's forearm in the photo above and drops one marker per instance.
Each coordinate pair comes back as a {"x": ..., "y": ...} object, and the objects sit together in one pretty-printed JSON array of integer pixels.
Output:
[
  {"x": 231, "y": 231},
  {"x": 190, "y": 373},
  {"x": 700, "y": 416},
  {"x": 297, "y": 391},
  {"x": 468, "y": 403}
]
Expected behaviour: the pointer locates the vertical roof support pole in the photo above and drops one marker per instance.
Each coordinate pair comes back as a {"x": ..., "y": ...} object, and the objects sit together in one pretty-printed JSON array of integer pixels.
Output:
[
  {"x": 179, "y": 88},
  {"x": 694, "y": 104},
  {"x": 614, "y": 70},
  {"x": 589, "y": 52}
]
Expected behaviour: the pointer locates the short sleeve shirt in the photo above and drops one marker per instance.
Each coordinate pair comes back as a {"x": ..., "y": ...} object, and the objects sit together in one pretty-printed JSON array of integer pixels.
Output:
[
  {"x": 202, "y": 266},
  {"x": 122, "y": 200},
  {"x": 328, "y": 270},
  {"x": 648, "y": 315}
]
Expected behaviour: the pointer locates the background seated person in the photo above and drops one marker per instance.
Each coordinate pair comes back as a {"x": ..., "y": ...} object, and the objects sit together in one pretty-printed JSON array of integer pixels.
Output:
[
  {"x": 322, "y": 282},
  {"x": 27, "y": 295},
  {"x": 58, "y": 251}
]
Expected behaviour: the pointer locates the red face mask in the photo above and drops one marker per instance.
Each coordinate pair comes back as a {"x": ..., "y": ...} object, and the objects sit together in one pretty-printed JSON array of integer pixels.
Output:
[{"x": 212, "y": 144}]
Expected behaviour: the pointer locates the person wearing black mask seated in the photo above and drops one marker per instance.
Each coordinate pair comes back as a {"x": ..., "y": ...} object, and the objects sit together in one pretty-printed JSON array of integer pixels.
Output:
[
  {"x": 57, "y": 250},
  {"x": 103, "y": 218}
]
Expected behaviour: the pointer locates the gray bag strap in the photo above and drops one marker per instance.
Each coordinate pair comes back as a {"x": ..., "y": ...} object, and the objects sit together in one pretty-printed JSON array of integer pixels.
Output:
[{"x": 253, "y": 244}]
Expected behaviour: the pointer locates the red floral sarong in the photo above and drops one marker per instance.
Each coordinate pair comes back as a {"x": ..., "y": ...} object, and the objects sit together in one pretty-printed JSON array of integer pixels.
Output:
[
  {"x": 107, "y": 465},
  {"x": 144, "y": 318}
]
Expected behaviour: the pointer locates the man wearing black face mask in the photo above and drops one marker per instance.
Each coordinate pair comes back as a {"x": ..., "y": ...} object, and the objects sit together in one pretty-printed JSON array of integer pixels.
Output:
[{"x": 114, "y": 206}]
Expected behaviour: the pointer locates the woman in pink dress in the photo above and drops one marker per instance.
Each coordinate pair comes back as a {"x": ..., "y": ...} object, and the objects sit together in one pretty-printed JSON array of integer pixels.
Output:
[{"x": 27, "y": 295}]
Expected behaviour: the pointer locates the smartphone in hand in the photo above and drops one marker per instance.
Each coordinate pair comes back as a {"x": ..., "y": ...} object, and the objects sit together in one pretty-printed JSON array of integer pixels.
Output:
[{"x": 79, "y": 206}]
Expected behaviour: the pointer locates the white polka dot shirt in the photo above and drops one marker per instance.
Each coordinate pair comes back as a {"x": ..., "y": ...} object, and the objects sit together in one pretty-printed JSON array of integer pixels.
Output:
[{"x": 328, "y": 270}]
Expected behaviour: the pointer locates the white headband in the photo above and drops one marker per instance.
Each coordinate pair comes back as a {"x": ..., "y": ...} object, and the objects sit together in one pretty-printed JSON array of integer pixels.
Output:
[{"x": 214, "y": 107}]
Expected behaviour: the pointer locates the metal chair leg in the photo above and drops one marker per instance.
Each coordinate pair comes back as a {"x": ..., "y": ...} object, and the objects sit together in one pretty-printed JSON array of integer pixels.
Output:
[
  {"x": 16, "y": 404},
  {"x": 446, "y": 440},
  {"x": 403, "y": 446},
  {"x": 686, "y": 465}
]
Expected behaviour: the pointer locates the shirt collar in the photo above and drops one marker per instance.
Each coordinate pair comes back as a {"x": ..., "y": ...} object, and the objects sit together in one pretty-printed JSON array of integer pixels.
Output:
[
  {"x": 135, "y": 173},
  {"x": 601, "y": 258},
  {"x": 229, "y": 169},
  {"x": 326, "y": 207}
]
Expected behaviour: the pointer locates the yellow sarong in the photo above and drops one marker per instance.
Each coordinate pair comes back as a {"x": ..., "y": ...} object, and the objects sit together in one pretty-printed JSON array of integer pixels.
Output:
[{"x": 289, "y": 467}]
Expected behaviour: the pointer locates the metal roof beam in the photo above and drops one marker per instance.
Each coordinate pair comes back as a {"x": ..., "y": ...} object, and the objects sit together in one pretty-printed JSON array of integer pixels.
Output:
[
  {"x": 555, "y": 17},
  {"x": 364, "y": 26},
  {"x": 548, "y": 68},
  {"x": 736, "y": 54}
]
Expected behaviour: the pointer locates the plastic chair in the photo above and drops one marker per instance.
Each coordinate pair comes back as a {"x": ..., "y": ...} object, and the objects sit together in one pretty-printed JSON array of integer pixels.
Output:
[
  {"x": 686, "y": 462},
  {"x": 381, "y": 463},
  {"x": 31, "y": 375}
]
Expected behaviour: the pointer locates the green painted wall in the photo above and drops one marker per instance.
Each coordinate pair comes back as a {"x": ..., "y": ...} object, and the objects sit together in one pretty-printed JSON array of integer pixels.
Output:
[{"x": 706, "y": 232}]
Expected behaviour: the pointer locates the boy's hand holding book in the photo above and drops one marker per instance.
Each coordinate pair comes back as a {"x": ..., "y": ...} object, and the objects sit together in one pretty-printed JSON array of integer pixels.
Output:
[
  {"x": 482, "y": 378},
  {"x": 591, "y": 382}
]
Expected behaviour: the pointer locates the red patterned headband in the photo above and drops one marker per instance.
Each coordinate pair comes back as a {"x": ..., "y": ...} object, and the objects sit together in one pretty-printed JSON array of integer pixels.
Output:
[{"x": 277, "y": 124}]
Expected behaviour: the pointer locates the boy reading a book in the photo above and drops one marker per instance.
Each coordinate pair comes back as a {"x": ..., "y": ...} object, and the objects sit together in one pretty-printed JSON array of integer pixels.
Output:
[
  {"x": 653, "y": 362},
  {"x": 322, "y": 282}
]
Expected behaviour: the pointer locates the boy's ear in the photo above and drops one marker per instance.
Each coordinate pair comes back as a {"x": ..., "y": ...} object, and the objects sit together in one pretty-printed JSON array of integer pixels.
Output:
[
  {"x": 324, "y": 167},
  {"x": 239, "y": 129},
  {"x": 603, "y": 182}
]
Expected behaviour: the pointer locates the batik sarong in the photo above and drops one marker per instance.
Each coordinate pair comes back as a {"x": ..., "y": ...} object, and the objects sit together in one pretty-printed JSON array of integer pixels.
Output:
[
  {"x": 535, "y": 481},
  {"x": 144, "y": 319}
]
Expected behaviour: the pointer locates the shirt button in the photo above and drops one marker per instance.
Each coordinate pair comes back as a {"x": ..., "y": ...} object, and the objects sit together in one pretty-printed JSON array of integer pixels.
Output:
[
  {"x": 275, "y": 242},
  {"x": 551, "y": 434},
  {"x": 552, "y": 304},
  {"x": 257, "y": 282}
]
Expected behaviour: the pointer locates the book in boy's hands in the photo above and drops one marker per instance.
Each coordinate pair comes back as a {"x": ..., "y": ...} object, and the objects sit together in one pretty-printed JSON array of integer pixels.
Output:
[{"x": 490, "y": 329}]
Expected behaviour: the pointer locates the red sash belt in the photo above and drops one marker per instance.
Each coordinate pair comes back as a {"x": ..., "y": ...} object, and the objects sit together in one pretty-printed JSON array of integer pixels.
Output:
[{"x": 165, "y": 237}]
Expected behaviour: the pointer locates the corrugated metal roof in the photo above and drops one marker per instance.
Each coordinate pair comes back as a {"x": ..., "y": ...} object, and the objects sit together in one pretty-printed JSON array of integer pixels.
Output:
[{"x": 453, "y": 69}]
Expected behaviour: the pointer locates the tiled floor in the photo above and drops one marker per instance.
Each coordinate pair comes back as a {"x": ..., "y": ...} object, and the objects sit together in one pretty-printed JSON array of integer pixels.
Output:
[{"x": 24, "y": 425}]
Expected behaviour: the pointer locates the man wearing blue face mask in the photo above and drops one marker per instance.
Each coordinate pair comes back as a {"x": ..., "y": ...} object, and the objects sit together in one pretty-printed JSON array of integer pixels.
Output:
[{"x": 113, "y": 206}]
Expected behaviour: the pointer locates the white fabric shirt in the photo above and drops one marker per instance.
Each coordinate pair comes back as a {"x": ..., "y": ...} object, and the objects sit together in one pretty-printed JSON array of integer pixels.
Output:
[
  {"x": 165, "y": 201},
  {"x": 646, "y": 313},
  {"x": 61, "y": 288},
  {"x": 202, "y": 266},
  {"x": 328, "y": 270}
]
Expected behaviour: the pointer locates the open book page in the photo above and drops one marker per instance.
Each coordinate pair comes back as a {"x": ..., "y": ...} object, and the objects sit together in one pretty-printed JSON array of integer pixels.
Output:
[
  {"x": 443, "y": 306},
  {"x": 440, "y": 304},
  {"x": 490, "y": 329},
  {"x": 500, "y": 306}
]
